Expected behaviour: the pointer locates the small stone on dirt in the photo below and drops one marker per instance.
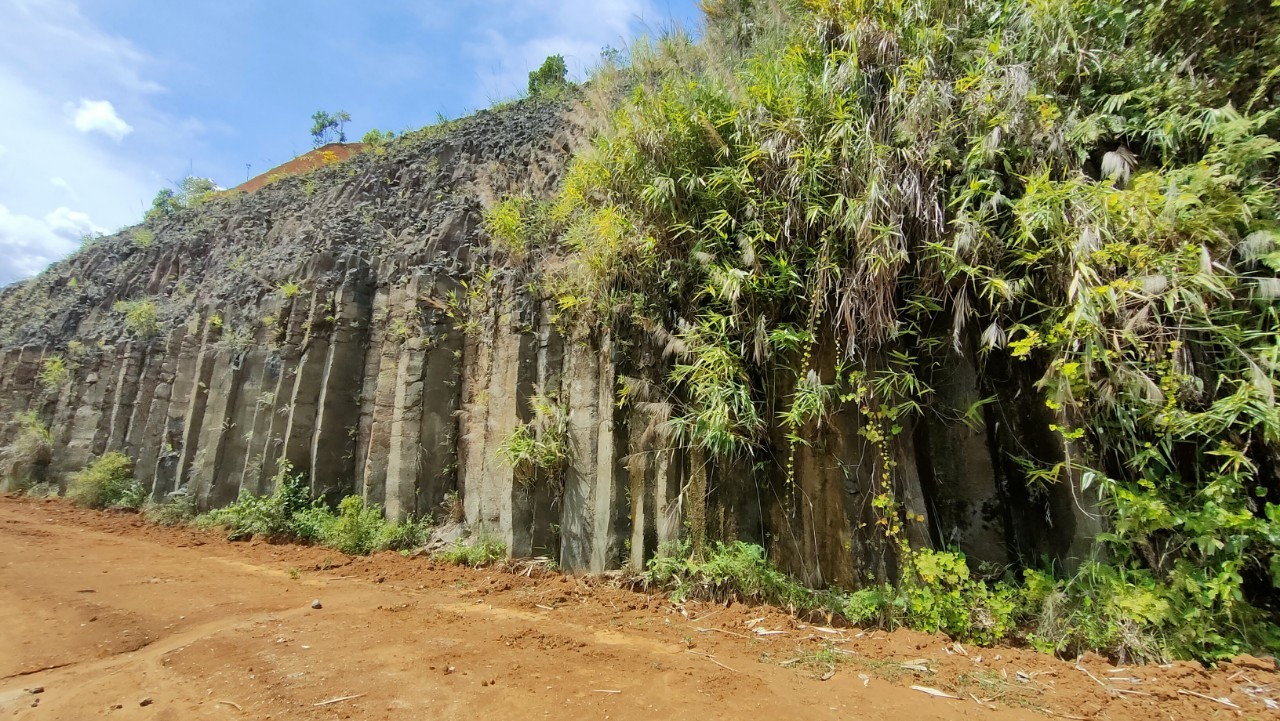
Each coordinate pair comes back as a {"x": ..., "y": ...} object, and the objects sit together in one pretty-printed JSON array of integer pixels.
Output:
[
  {"x": 36, "y": 689},
  {"x": 315, "y": 603},
  {"x": 146, "y": 701}
]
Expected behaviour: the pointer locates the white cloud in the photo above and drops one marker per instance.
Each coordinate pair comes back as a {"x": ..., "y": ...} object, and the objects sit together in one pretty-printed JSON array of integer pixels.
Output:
[
  {"x": 527, "y": 31},
  {"x": 60, "y": 182},
  {"x": 29, "y": 244},
  {"x": 100, "y": 116},
  {"x": 64, "y": 81}
]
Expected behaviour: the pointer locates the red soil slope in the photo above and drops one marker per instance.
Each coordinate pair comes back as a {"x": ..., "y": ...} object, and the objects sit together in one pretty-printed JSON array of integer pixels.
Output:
[{"x": 305, "y": 163}]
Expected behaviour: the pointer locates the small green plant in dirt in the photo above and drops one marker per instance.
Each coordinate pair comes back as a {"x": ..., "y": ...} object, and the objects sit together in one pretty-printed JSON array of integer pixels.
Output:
[
  {"x": 404, "y": 536},
  {"x": 24, "y": 460},
  {"x": 271, "y": 517},
  {"x": 727, "y": 571},
  {"x": 289, "y": 514},
  {"x": 43, "y": 489},
  {"x": 939, "y": 594},
  {"x": 475, "y": 552},
  {"x": 107, "y": 482},
  {"x": 356, "y": 528},
  {"x": 178, "y": 510},
  {"x": 140, "y": 316},
  {"x": 289, "y": 289},
  {"x": 143, "y": 238}
]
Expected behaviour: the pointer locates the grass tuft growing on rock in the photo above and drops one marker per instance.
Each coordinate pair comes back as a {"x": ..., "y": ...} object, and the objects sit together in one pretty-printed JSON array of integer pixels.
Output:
[{"x": 23, "y": 461}]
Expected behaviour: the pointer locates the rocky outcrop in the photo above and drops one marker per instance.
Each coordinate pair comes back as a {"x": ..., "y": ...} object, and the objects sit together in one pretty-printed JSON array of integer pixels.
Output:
[{"x": 354, "y": 323}]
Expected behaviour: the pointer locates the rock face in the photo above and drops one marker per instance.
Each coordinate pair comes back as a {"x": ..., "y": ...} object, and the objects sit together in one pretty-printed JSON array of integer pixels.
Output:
[{"x": 355, "y": 323}]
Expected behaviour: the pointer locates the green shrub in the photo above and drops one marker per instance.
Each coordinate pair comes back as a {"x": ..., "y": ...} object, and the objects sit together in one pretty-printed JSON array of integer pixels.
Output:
[
  {"x": 43, "y": 489},
  {"x": 730, "y": 571},
  {"x": 542, "y": 443},
  {"x": 357, "y": 527},
  {"x": 140, "y": 316},
  {"x": 289, "y": 514},
  {"x": 475, "y": 552},
  {"x": 404, "y": 536},
  {"x": 864, "y": 607},
  {"x": 313, "y": 524},
  {"x": 24, "y": 460},
  {"x": 378, "y": 140},
  {"x": 939, "y": 594},
  {"x": 516, "y": 225},
  {"x": 177, "y": 511},
  {"x": 550, "y": 78},
  {"x": 270, "y": 517},
  {"x": 143, "y": 238},
  {"x": 54, "y": 373},
  {"x": 107, "y": 482}
]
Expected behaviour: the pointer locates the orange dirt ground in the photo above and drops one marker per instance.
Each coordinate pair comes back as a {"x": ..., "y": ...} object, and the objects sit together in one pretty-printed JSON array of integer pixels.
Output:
[
  {"x": 114, "y": 618},
  {"x": 304, "y": 163}
]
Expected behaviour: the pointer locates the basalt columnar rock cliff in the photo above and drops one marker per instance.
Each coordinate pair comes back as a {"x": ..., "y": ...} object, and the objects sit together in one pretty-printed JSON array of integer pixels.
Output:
[{"x": 355, "y": 322}]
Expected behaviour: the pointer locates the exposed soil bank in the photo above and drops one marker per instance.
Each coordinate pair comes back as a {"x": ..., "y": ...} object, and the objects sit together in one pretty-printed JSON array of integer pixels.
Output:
[{"x": 102, "y": 612}]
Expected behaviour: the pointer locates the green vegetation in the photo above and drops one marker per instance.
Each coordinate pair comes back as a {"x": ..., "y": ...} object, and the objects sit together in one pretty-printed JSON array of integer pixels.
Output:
[
  {"x": 107, "y": 482},
  {"x": 23, "y": 461},
  {"x": 737, "y": 571},
  {"x": 378, "y": 140},
  {"x": 326, "y": 128},
  {"x": 143, "y": 237},
  {"x": 289, "y": 514},
  {"x": 54, "y": 373},
  {"x": 140, "y": 316},
  {"x": 279, "y": 516},
  {"x": 821, "y": 203},
  {"x": 541, "y": 443},
  {"x": 941, "y": 597},
  {"x": 550, "y": 78},
  {"x": 516, "y": 225},
  {"x": 177, "y": 511},
  {"x": 191, "y": 192},
  {"x": 474, "y": 552}
]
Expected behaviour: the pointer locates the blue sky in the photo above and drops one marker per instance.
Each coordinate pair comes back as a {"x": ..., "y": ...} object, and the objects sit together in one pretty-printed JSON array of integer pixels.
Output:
[{"x": 103, "y": 102}]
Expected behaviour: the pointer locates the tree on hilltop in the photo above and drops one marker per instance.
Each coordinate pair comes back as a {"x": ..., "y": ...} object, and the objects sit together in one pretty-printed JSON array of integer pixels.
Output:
[
  {"x": 548, "y": 78},
  {"x": 326, "y": 128}
]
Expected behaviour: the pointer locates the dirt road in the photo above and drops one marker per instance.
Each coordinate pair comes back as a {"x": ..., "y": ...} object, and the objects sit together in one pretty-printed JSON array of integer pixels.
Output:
[{"x": 113, "y": 618}]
